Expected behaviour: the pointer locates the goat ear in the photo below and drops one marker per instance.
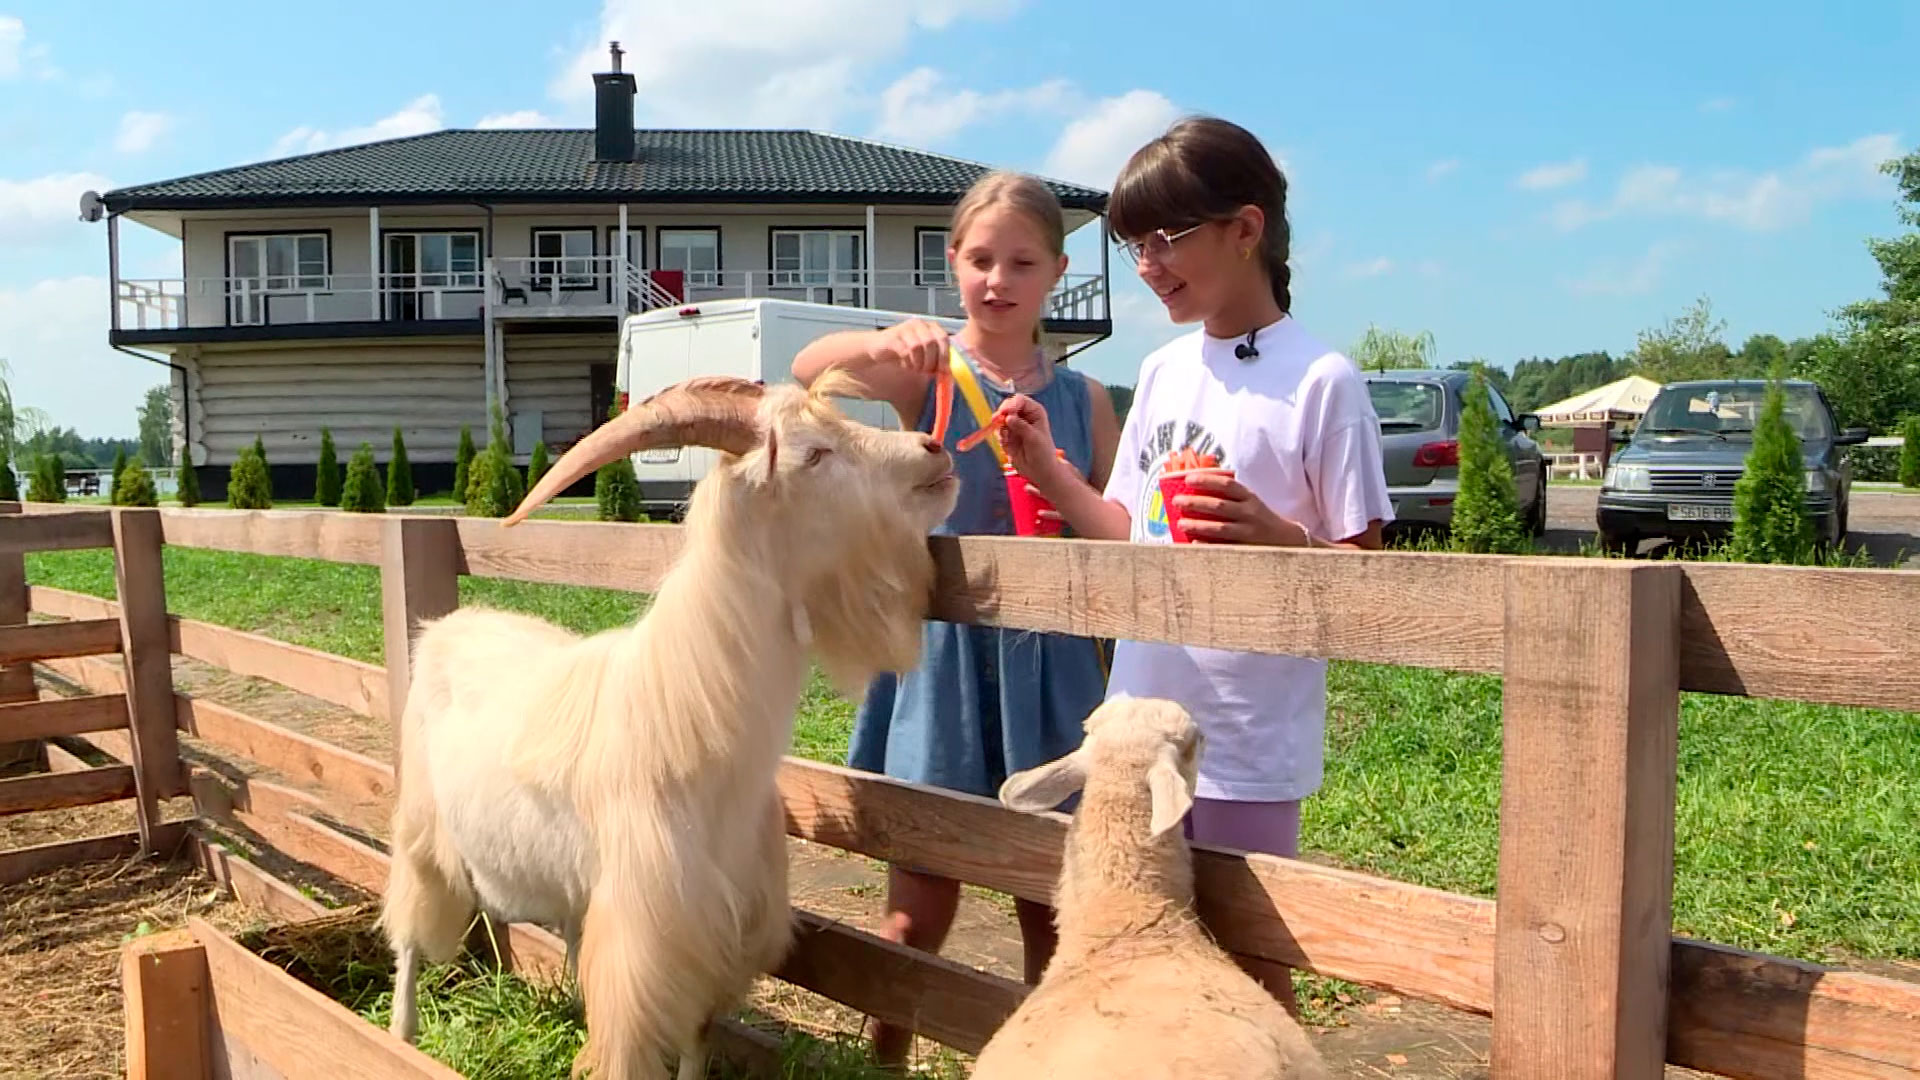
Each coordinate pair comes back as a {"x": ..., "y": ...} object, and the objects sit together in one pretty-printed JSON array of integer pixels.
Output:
[
  {"x": 1172, "y": 797},
  {"x": 1045, "y": 786},
  {"x": 760, "y": 466}
]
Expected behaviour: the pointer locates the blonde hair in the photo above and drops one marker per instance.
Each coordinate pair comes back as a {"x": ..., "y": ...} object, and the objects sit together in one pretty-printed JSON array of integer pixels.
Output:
[{"x": 1020, "y": 193}]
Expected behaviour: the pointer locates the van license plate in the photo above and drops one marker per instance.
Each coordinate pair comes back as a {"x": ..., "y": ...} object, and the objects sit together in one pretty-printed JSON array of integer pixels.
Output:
[
  {"x": 660, "y": 455},
  {"x": 1698, "y": 512}
]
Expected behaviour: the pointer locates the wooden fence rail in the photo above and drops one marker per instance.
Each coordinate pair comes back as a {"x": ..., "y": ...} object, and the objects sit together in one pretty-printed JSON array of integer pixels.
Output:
[{"x": 1575, "y": 962}]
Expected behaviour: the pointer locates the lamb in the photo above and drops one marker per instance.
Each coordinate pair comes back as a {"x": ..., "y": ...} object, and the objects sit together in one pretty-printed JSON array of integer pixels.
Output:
[
  {"x": 621, "y": 786},
  {"x": 1136, "y": 988}
]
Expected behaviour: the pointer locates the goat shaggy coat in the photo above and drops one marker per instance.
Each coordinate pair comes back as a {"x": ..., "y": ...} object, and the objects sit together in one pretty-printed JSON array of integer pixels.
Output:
[
  {"x": 1137, "y": 990},
  {"x": 621, "y": 787}
]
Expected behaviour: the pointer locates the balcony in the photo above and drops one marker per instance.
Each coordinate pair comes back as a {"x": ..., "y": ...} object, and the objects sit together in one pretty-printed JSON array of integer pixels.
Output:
[{"x": 518, "y": 288}]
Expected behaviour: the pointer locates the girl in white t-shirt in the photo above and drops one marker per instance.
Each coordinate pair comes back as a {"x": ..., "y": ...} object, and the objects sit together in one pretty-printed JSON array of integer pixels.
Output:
[{"x": 1201, "y": 211}]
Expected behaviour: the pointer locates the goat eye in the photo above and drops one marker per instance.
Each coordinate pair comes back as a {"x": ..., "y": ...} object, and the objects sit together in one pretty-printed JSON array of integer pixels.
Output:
[{"x": 815, "y": 455}]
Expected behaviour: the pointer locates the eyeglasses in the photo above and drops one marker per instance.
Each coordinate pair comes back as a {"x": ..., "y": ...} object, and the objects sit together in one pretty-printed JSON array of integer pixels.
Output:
[{"x": 1159, "y": 244}]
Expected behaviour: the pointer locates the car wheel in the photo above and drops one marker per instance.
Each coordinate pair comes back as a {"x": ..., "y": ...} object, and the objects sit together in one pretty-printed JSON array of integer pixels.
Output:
[{"x": 1619, "y": 543}]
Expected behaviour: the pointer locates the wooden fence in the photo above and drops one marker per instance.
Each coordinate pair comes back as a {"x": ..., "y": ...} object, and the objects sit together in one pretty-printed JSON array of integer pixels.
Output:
[{"x": 1575, "y": 962}]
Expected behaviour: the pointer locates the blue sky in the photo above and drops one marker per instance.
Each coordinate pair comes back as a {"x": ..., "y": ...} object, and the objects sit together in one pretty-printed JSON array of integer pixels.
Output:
[{"x": 1518, "y": 179}]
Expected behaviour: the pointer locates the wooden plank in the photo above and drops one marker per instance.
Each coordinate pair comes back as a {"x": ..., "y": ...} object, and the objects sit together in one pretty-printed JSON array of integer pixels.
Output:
[
  {"x": 309, "y": 534},
  {"x": 1413, "y": 940},
  {"x": 55, "y": 530},
  {"x": 140, "y": 582},
  {"x": 277, "y": 815},
  {"x": 1757, "y": 1017},
  {"x": 282, "y": 1021},
  {"x": 167, "y": 1008},
  {"x": 419, "y": 579},
  {"x": 93, "y": 673},
  {"x": 59, "y": 791},
  {"x": 22, "y": 863},
  {"x": 1592, "y": 701},
  {"x": 301, "y": 757},
  {"x": 350, "y": 684},
  {"x": 1847, "y": 637},
  {"x": 16, "y": 679},
  {"x": 163, "y": 978},
  {"x": 946, "y": 1001},
  {"x": 63, "y": 716},
  {"x": 252, "y": 885},
  {"x": 56, "y": 640},
  {"x": 606, "y": 554}
]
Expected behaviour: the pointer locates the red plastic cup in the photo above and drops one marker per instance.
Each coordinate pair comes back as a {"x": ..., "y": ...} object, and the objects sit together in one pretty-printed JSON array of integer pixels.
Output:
[
  {"x": 1027, "y": 506},
  {"x": 1173, "y": 485}
]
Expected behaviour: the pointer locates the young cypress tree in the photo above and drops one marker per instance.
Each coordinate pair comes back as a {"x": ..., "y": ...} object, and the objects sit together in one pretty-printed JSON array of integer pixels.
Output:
[
  {"x": 247, "y": 485},
  {"x": 462, "y": 462},
  {"x": 136, "y": 487},
  {"x": 9, "y": 486},
  {"x": 616, "y": 488},
  {"x": 186, "y": 481},
  {"x": 48, "y": 480},
  {"x": 494, "y": 485},
  {"x": 399, "y": 474},
  {"x": 537, "y": 464},
  {"x": 362, "y": 493},
  {"x": 266, "y": 471},
  {"x": 1910, "y": 452},
  {"x": 1770, "y": 522},
  {"x": 113, "y": 478},
  {"x": 326, "y": 483},
  {"x": 1486, "y": 511}
]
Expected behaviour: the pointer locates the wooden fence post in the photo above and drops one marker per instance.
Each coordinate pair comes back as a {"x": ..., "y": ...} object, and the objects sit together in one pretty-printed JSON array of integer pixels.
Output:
[
  {"x": 168, "y": 1000},
  {"x": 147, "y": 648},
  {"x": 1585, "y": 904},
  {"x": 16, "y": 680}
]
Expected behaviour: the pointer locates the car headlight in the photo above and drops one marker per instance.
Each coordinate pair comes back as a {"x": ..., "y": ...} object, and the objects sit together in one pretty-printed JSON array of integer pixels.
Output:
[
  {"x": 1626, "y": 478},
  {"x": 1816, "y": 482}
]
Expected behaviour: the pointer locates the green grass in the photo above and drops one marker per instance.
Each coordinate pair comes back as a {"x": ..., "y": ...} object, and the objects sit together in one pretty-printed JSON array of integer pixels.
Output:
[{"x": 1797, "y": 828}]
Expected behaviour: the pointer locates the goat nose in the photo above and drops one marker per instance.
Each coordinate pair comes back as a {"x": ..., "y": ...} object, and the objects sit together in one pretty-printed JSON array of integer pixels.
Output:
[{"x": 932, "y": 445}]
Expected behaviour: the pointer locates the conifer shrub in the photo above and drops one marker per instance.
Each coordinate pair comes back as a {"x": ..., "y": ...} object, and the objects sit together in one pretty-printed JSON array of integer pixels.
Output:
[
  {"x": 248, "y": 487},
  {"x": 186, "y": 480},
  {"x": 1486, "y": 510},
  {"x": 399, "y": 474},
  {"x": 326, "y": 479},
  {"x": 1770, "y": 520},
  {"x": 362, "y": 492},
  {"x": 135, "y": 487}
]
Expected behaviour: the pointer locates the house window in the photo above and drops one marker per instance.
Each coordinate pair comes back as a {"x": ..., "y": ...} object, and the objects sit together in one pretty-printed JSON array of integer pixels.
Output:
[
  {"x": 567, "y": 253},
  {"x": 817, "y": 257},
  {"x": 289, "y": 262},
  {"x": 694, "y": 252},
  {"x": 433, "y": 260},
  {"x": 931, "y": 267}
]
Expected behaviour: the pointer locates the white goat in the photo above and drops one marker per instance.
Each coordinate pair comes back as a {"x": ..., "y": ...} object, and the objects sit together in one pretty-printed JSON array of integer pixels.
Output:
[
  {"x": 621, "y": 787},
  {"x": 1136, "y": 988}
]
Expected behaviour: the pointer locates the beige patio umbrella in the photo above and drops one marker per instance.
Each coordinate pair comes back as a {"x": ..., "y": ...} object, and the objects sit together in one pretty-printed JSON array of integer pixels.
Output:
[{"x": 1622, "y": 399}]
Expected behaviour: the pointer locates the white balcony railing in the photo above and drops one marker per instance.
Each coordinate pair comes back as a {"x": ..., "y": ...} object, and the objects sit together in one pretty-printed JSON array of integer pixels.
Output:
[{"x": 580, "y": 286}]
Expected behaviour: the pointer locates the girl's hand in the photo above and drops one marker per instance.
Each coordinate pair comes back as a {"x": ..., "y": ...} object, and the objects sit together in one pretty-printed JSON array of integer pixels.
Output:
[
  {"x": 916, "y": 345},
  {"x": 1028, "y": 440},
  {"x": 1243, "y": 518}
]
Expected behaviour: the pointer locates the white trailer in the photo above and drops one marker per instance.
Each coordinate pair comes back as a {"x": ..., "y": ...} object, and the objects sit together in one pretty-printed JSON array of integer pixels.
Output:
[{"x": 751, "y": 339}]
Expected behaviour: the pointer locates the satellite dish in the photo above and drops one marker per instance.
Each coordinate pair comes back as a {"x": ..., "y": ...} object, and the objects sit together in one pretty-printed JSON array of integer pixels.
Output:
[{"x": 91, "y": 208}]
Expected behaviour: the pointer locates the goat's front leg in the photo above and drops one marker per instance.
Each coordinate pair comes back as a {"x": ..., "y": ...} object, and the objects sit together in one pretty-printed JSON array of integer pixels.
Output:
[
  {"x": 693, "y": 1065},
  {"x": 406, "y": 1007}
]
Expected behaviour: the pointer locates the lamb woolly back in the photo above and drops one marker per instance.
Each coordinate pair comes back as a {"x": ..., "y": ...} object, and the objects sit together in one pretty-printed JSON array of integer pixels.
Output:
[
  {"x": 622, "y": 786},
  {"x": 1136, "y": 987}
]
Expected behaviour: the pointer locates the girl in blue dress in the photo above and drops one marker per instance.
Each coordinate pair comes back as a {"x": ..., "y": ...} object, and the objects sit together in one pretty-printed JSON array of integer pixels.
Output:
[{"x": 983, "y": 703}]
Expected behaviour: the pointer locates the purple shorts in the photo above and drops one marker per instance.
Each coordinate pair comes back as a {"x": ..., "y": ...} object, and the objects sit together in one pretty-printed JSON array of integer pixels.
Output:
[{"x": 1272, "y": 828}]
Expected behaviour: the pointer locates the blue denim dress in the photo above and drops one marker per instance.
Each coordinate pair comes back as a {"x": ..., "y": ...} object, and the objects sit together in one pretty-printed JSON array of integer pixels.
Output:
[{"x": 986, "y": 702}]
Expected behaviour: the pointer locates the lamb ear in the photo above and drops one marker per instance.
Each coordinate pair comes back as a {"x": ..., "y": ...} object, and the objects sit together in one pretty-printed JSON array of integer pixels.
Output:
[
  {"x": 1044, "y": 787},
  {"x": 1172, "y": 798}
]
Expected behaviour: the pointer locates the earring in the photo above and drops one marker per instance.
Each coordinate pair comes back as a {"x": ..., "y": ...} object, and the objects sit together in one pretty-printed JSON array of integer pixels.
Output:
[{"x": 1246, "y": 253}]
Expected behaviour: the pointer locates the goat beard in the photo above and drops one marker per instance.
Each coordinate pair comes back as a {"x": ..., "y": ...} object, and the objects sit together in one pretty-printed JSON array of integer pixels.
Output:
[{"x": 866, "y": 617}]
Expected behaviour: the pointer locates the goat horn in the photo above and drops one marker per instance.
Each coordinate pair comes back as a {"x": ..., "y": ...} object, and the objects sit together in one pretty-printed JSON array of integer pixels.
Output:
[{"x": 711, "y": 411}]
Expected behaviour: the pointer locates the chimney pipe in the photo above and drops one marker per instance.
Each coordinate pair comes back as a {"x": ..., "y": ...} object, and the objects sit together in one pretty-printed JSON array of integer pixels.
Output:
[{"x": 613, "y": 94}]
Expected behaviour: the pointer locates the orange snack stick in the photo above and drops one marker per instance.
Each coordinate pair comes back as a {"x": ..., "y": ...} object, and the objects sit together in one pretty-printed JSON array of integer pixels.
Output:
[
  {"x": 942, "y": 404},
  {"x": 994, "y": 423}
]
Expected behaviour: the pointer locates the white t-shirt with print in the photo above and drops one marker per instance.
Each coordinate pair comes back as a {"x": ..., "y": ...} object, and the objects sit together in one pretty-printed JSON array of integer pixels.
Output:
[{"x": 1299, "y": 430}]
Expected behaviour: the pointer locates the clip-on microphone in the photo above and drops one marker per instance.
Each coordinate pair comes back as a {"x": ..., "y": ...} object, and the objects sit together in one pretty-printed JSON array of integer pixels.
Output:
[{"x": 1245, "y": 350}]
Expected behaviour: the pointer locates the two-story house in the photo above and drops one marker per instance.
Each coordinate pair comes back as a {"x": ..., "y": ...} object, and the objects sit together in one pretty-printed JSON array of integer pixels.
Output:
[{"x": 412, "y": 283}]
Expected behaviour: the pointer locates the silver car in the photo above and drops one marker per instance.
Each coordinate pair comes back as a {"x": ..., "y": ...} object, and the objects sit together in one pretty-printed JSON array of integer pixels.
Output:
[{"x": 1419, "y": 436}]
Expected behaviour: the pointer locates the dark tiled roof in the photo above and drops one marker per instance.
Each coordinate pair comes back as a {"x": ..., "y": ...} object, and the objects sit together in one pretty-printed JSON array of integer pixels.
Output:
[{"x": 558, "y": 166}]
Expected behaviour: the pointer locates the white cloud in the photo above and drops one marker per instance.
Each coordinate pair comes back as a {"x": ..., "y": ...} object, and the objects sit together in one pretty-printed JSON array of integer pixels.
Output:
[
  {"x": 1553, "y": 174},
  {"x": 40, "y": 208},
  {"x": 523, "y": 118},
  {"x": 1444, "y": 167},
  {"x": 1629, "y": 279},
  {"x": 1370, "y": 268},
  {"x": 1758, "y": 202},
  {"x": 920, "y": 108},
  {"x": 140, "y": 130},
  {"x": 19, "y": 60},
  {"x": 758, "y": 63},
  {"x": 56, "y": 343},
  {"x": 1093, "y": 147},
  {"x": 416, "y": 117}
]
